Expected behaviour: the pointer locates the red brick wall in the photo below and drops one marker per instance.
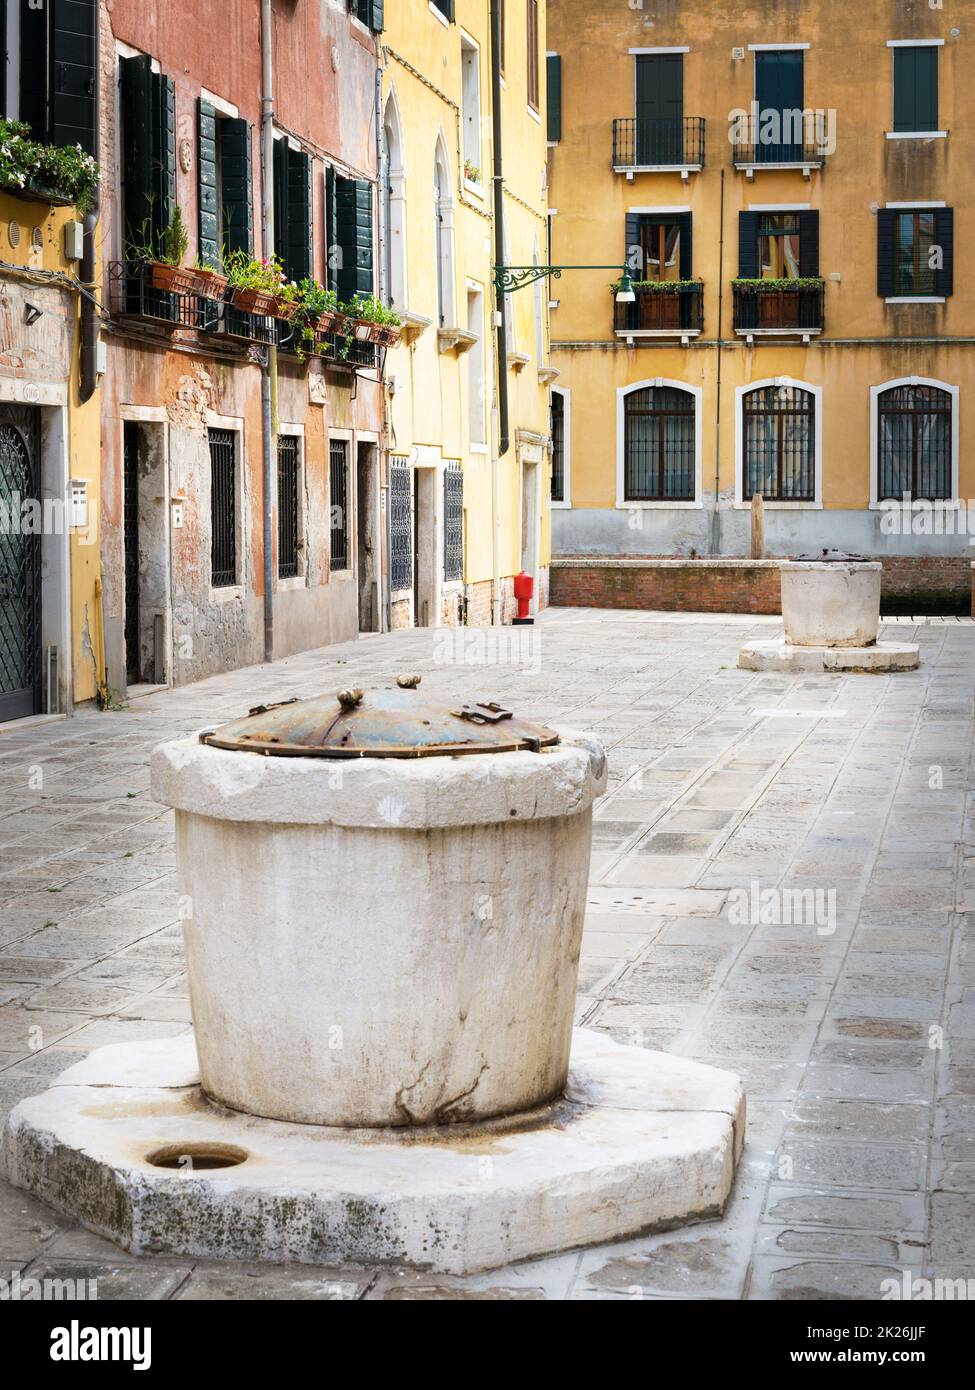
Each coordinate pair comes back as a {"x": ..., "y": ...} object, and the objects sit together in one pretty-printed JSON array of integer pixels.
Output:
[{"x": 744, "y": 586}]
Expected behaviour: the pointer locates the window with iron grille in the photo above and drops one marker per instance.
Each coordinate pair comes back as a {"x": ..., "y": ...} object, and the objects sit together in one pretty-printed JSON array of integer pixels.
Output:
[
  {"x": 289, "y": 466},
  {"x": 401, "y": 526},
  {"x": 338, "y": 483},
  {"x": 223, "y": 507},
  {"x": 660, "y": 445},
  {"x": 533, "y": 54},
  {"x": 914, "y": 443},
  {"x": 453, "y": 523},
  {"x": 558, "y": 447},
  {"x": 779, "y": 425}
]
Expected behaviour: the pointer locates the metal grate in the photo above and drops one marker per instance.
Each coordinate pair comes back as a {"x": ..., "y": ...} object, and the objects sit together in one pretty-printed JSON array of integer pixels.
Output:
[
  {"x": 799, "y": 310},
  {"x": 338, "y": 483},
  {"x": 223, "y": 507},
  {"x": 558, "y": 447},
  {"x": 288, "y": 467},
  {"x": 132, "y": 294},
  {"x": 130, "y": 485},
  {"x": 657, "y": 141},
  {"x": 661, "y": 446},
  {"x": 400, "y": 526},
  {"x": 915, "y": 443},
  {"x": 779, "y": 425},
  {"x": 661, "y": 311},
  {"x": 20, "y": 567},
  {"x": 453, "y": 522}
]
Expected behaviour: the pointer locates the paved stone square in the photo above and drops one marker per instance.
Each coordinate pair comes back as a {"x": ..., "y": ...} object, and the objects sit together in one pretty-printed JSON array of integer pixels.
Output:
[{"x": 783, "y": 884}]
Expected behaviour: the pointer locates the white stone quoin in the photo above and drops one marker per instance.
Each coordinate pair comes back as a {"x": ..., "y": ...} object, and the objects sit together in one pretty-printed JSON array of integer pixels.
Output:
[
  {"x": 831, "y": 604},
  {"x": 382, "y": 941}
]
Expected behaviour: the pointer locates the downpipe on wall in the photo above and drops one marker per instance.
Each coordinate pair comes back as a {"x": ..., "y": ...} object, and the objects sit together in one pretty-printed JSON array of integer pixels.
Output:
[
  {"x": 269, "y": 366},
  {"x": 501, "y": 309}
]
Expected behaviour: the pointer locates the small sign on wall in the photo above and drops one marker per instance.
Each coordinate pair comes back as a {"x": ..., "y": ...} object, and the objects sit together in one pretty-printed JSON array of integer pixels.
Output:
[
  {"x": 79, "y": 504},
  {"x": 176, "y": 512}
]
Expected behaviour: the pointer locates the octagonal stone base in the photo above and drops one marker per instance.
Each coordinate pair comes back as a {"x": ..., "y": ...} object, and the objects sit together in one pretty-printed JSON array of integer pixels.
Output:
[
  {"x": 780, "y": 655},
  {"x": 640, "y": 1141}
]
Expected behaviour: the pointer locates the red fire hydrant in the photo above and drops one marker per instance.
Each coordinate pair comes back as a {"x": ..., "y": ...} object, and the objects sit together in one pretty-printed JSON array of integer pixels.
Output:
[{"x": 524, "y": 588}]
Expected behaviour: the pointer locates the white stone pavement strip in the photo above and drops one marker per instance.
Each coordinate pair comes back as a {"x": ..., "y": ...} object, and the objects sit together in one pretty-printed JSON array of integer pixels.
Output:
[{"x": 858, "y": 784}]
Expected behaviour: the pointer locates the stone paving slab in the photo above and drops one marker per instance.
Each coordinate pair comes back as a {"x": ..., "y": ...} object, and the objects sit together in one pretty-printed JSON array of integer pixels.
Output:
[{"x": 851, "y": 1019}]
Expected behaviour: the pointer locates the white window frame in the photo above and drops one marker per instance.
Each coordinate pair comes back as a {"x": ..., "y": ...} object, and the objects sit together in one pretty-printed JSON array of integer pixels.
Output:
[
  {"x": 653, "y": 505},
  {"x": 913, "y": 134},
  {"x": 396, "y": 230},
  {"x": 816, "y": 505},
  {"x": 875, "y": 393},
  {"x": 566, "y": 504},
  {"x": 470, "y": 46}
]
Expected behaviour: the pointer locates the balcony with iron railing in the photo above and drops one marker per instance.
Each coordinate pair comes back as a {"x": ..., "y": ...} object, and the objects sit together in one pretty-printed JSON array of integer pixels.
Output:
[
  {"x": 658, "y": 144},
  {"x": 778, "y": 308},
  {"x": 667, "y": 309},
  {"x": 803, "y": 149}
]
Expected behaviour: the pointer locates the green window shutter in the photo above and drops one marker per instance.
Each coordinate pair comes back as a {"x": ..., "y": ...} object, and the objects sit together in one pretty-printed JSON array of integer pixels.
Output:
[
  {"x": 353, "y": 237},
  {"x": 809, "y": 243},
  {"x": 916, "y": 88},
  {"x": 685, "y": 222},
  {"x": 237, "y": 232},
  {"x": 376, "y": 17},
  {"x": 944, "y": 234},
  {"x": 553, "y": 85},
  {"x": 886, "y": 251},
  {"x": 206, "y": 162},
  {"x": 298, "y": 259},
  {"x": 149, "y": 156},
  {"x": 74, "y": 25},
  {"x": 331, "y": 231},
  {"x": 748, "y": 245},
  {"x": 280, "y": 176}
]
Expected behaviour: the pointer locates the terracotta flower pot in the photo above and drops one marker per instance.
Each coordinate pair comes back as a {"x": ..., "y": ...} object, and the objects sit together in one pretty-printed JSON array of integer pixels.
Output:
[
  {"x": 253, "y": 301},
  {"x": 173, "y": 279},
  {"x": 364, "y": 330},
  {"x": 327, "y": 321},
  {"x": 210, "y": 284},
  {"x": 389, "y": 335},
  {"x": 285, "y": 309}
]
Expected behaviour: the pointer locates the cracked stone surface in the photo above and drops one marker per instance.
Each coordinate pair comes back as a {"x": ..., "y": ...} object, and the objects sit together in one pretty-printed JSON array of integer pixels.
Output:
[{"x": 850, "y": 1022}]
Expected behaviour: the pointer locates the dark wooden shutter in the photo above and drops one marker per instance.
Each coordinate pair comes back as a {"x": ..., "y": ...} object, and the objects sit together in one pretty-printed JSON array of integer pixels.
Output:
[
  {"x": 632, "y": 250},
  {"x": 206, "y": 164},
  {"x": 553, "y": 87},
  {"x": 748, "y": 245},
  {"x": 74, "y": 24},
  {"x": 886, "y": 251},
  {"x": 149, "y": 154},
  {"x": 684, "y": 221},
  {"x": 809, "y": 243},
  {"x": 944, "y": 232},
  {"x": 292, "y": 209},
  {"x": 237, "y": 232},
  {"x": 331, "y": 230},
  {"x": 376, "y": 16},
  {"x": 916, "y": 88},
  {"x": 353, "y": 235}
]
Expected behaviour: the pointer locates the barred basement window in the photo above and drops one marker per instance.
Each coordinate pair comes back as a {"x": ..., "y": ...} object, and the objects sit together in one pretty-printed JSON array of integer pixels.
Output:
[
  {"x": 338, "y": 483},
  {"x": 223, "y": 507},
  {"x": 288, "y": 513},
  {"x": 779, "y": 444},
  {"x": 558, "y": 447},
  {"x": 914, "y": 443},
  {"x": 453, "y": 523},
  {"x": 401, "y": 526},
  {"x": 660, "y": 444}
]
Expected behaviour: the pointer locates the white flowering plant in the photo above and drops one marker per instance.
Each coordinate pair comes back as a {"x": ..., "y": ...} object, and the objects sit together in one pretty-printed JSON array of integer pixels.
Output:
[{"x": 65, "y": 171}]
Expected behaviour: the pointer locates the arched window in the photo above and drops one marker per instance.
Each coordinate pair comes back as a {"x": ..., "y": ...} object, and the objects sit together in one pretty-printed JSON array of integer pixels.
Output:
[
  {"x": 660, "y": 445},
  {"x": 779, "y": 444},
  {"x": 394, "y": 194},
  {"x": 914, "y": 443},
  {"x": 443, "y": 224}
]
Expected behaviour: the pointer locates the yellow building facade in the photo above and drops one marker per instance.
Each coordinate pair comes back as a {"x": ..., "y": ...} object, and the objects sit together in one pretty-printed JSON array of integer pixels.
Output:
[
  {"x": 464, "y": 518},
  {"x": 789, "y": 189},
  {"x": 50, "y": 635}
]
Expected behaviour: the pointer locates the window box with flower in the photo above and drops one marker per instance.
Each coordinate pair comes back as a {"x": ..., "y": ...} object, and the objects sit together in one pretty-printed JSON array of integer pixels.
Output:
[{"x": 63, "y": 176}]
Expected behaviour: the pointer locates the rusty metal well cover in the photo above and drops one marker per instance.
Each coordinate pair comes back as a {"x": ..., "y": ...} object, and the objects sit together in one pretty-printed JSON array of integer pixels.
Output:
[{"x": 395, "y": 723}]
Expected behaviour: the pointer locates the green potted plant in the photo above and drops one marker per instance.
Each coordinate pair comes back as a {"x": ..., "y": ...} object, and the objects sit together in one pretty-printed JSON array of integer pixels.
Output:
[
  {"x": 56, "y": 174},
  {"x": 374, "y": 321},
  {"x": 260, "y": 287},
  {"x": 167, "y": 270}
]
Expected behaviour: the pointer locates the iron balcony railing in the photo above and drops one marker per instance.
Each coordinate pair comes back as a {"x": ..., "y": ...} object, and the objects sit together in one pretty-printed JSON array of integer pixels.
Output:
[
  {"x": 649, "y": 142},
  {"x": 778, "y": 310},
  {"x": 133, "y": 295},
  {"x": 803, "y": 152},
  {"x": 661, "y": 311}
]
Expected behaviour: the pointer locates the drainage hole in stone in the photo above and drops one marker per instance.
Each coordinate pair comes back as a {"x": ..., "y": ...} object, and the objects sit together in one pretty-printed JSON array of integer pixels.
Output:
[{"x": 189, "y": 1158}]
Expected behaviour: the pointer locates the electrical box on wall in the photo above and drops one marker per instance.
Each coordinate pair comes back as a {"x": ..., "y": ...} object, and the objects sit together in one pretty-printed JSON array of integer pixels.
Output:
[
  {"x": 176, "y": 512},
  {"x": 74, "y": 241},
  {"x": 79, "y": 503}
]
